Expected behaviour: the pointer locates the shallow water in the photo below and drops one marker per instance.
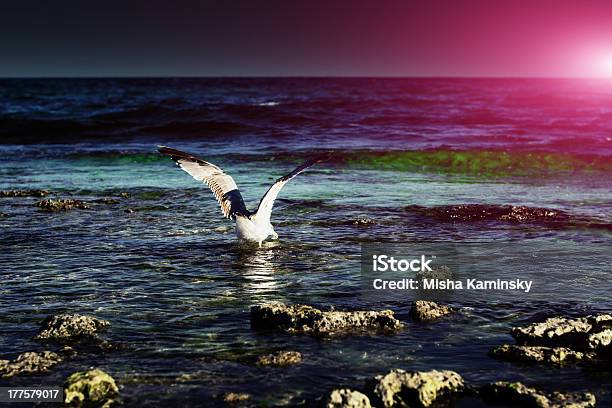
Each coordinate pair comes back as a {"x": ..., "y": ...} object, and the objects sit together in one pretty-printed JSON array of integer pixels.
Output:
[{"x": 177, "y": 289}]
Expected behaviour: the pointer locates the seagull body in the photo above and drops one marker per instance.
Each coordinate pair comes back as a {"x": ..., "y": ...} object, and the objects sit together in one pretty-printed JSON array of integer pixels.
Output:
[{"x": 250, "y": 226}]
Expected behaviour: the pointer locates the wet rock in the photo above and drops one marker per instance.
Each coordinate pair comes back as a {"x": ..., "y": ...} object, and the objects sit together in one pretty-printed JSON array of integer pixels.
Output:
[
  {"x": 400, "y": 388},
  {"x": 29, "y": 363},
  {"x": 62, "y": 205},
  {"x": 68, "y": 352},
  {"x": 423, "y": 310},
  {"x": 482, "y": 212},
  {"x": 538, "y": 354},
  {"x": 235, "y": 397},
  {"x": 600, "y": 342},
  {"x": 66, "y": 327},
  {"x": 582, "y": 333},
  {"x": 307, "y": 319},
  {"x": 441, "y": 273},
  {"x": 90, "y": 388},
  {"x": 346, "y": 398},
  {"x": 108, "y": 201},
  {"x": 280, "y": 358},
  {"x": 523, "y": 214},
  {"x": 363, "y": 221},
  {"x": 24, "y": 193},
  {"x": 516, "y": 393}
]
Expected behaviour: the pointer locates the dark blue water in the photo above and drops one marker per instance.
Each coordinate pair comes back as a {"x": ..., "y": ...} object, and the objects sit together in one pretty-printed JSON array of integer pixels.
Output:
[{"x": 409, "y": 155}]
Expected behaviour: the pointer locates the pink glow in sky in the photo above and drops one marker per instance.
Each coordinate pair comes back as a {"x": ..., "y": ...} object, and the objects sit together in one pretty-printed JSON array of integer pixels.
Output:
[{"x": 330, "y": 38}]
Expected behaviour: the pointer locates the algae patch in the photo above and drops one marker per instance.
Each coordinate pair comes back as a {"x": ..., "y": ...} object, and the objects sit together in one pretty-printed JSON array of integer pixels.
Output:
[{"x": 93, "y": 387}]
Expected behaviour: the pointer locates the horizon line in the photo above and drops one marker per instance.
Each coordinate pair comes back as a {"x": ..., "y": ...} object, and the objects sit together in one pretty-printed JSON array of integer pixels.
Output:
[{"x": 302, "y": 77}]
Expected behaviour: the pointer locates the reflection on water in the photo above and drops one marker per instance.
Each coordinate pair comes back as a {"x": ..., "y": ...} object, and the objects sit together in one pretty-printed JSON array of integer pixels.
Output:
[{"x": 258, "y": 267}]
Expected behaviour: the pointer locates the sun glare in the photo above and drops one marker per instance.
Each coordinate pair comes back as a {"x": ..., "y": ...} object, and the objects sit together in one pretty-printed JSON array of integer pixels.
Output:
[{"x": 603, "y": 66}]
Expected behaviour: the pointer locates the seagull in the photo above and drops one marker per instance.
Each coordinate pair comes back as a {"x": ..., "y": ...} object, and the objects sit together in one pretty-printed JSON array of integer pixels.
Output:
[{"x": 252, "y": 226}]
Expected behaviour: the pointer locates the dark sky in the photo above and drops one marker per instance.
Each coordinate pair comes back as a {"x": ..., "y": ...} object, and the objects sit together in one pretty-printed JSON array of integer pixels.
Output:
[{"x": 284, "y": 37}]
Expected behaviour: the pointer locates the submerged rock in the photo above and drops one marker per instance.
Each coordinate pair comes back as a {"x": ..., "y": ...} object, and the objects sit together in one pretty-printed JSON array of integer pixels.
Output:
[
  {"x": 583, "y": 333},
  {"x": 90, "y": 388},
  {"x": 400, "y": 388},
  {"x": 62, "y": 205},
  {"x": 346, "y": 398},
  {"x": 24, "y": 193},
  {"x": 280, "y": 358},
  {"x": 29, "y": 363},
  {"x": 516, "y": 393},
  {"x": 440, "y": 273},
  {"x": 234, "y": 397},
  {"x": 423, "y": 310},
  {"x": 108, "y": 200},
  {"x": 538, "y": 354},
  {"x": 64, "y": 327},
  {"x": 68, "y": 352},
  {"x": 363, "y": 221},
  {"x": 483, "y": 212},
  {"x": 307, "y": 319}
]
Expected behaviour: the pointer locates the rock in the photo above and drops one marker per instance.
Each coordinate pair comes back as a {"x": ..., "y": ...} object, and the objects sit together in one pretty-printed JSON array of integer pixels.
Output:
[
  {"x": 400, "y": 388},
  {"x": 234, "y": 397},
  {"x": 538, "y": 354},
  {"x": 68, "y": 352},
  {"x": 70, "y": 327},
  {"x": 507, "y": 213},
  {"x": 516, "y": 393},
  {"x": 423, "y": 310},
  {"x": 363, "y": 221},
  {"x": 24, "y": 193},
  {"x": 345, "y": 398},
  {"x": 307, "y": 319},
  {"x": 62, "y": 205},
  {"x": 582, "y": 333},
  {"x": 441, "y": 273},
  {"x": 601, "y": 341},
  {"x": 108, "y": 200},
  {"x": 90, "y": 388},
  {"x": 280, "y": 358},
  {"x": 29, "y": 363}
]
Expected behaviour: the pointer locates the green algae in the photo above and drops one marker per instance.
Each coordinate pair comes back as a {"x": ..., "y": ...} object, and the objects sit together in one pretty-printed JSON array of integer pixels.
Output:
[
  {"x": 90, "y": 388},
  {"x": 116, "y": 158},
  {"x": 477, "y": 162}
]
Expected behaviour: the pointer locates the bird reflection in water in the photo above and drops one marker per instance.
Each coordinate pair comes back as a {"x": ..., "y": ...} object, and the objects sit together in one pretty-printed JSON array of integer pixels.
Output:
[{"x": 258, "y": 269}]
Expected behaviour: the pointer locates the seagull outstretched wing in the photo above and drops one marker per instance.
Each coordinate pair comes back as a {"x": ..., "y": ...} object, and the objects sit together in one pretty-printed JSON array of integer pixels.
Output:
[
  {"x": 264, "y": 210},
  {"x": 222, "y": 185}
]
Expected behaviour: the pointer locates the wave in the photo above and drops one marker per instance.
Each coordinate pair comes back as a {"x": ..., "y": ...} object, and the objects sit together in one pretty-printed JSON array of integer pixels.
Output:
[{"x": 367, "y": 112}]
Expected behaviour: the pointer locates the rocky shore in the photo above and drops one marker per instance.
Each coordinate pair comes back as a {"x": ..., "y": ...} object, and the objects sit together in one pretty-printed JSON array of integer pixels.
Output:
[
  {"x": 555, "y": 341},
  {"x": 561, "y": 340}
]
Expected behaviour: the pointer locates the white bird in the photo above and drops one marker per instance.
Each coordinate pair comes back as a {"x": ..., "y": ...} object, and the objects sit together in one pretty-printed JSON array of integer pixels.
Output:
[{"x": 250, "y": 226}]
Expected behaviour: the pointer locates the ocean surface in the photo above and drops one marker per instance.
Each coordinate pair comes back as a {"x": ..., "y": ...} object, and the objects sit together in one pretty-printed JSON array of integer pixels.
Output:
[{"x": 415, "y": 160}]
